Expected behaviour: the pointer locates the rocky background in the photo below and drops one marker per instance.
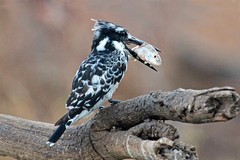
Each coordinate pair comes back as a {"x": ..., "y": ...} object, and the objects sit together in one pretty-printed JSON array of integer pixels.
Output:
[{"x": 43, "y": 42}]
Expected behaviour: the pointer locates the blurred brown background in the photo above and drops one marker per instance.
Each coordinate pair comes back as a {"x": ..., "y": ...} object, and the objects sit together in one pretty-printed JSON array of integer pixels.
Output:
[{"x": 43, "y": 42}]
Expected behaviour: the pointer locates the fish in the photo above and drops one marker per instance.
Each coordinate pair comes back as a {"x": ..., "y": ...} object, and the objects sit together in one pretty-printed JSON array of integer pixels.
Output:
[
  {"x": 136, "y": 57},
  {"x": 148, "y": 54}
]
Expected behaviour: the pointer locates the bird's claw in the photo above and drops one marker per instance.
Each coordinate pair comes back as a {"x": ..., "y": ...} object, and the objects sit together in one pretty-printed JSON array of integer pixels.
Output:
[
  {"x": 101, "y": 107},
  {"x": 113, "y": 102}
]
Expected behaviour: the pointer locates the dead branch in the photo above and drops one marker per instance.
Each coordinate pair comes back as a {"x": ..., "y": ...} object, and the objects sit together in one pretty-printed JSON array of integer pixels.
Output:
[{"x": 131, "y": 129}]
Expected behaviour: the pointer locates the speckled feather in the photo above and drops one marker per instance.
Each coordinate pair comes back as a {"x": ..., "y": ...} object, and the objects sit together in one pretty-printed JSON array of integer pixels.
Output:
[{"x": 95, "y": 81}]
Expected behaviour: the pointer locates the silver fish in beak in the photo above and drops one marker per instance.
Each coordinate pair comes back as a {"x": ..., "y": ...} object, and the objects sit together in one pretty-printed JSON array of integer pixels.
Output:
[
  {"x": 144, "y": 52},
  {"x": 148, "y": 53}
]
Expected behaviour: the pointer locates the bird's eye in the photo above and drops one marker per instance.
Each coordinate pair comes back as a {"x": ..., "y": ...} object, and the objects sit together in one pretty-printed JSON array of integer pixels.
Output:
[
  {"x": 155, "y": 56},
  {"x": 124, "y": 33}
]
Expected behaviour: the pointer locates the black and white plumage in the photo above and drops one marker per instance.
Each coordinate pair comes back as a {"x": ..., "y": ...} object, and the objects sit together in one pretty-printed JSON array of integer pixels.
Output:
[{"x": 99, "y": 74}]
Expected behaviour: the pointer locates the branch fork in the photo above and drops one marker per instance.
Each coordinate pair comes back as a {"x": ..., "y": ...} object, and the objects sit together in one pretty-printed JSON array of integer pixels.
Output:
[{"x": 130, "y": 129}]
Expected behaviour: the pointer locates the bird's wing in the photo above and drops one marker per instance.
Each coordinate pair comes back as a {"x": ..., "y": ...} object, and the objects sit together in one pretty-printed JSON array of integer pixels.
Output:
[{"x": 95, "y": 78}]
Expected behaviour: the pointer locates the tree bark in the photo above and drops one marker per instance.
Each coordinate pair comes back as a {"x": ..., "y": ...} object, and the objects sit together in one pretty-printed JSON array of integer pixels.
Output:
[{"x": 131, "y": 129}]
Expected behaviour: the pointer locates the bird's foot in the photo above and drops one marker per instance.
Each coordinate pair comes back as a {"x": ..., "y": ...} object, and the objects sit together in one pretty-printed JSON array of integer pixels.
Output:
[
  {"x": 113, "y": 102},
  {"x": 101, "y": 107}
]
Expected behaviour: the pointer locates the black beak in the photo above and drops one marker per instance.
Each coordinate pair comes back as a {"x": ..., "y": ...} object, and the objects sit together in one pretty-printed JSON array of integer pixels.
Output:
[{"x": 139, "y": 42}]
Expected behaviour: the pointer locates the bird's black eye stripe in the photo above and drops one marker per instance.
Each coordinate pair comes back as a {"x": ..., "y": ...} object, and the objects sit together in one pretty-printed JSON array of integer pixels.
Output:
[{"x": 124, "y": 33}]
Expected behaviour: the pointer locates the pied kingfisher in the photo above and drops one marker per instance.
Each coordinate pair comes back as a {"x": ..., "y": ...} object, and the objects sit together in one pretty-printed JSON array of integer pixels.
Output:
[{"x": 99, "y": 74}]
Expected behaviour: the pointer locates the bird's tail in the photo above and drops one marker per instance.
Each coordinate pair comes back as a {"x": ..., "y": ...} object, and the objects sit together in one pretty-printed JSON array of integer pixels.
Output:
[
  {"x": 63, "y": 124},
  {"x": 72, "y": 116}
]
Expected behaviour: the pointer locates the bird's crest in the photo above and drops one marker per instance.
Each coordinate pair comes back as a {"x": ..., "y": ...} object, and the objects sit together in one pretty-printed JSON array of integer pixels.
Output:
[
  {"x": 99, "y": 24},
  {"x": 105, "y": 28}
]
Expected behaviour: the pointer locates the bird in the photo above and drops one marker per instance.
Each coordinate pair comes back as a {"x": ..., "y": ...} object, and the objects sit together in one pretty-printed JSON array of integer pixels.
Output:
[{"x": 99, "y": 74}]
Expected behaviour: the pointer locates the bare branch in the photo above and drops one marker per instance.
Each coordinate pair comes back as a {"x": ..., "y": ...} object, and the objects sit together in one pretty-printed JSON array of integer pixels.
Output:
[
  {"x": 121, "y": 131},
  {"x": 189, "y": 106}
]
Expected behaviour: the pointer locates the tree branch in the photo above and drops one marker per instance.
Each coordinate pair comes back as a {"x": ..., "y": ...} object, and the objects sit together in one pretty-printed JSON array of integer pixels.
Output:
[{"x": 125, "y": 130}]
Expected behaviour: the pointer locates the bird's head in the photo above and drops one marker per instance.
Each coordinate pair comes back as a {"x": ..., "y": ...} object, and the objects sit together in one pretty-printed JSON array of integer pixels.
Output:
[
  {"x": 103, "y": 29},
  {"x": 110, "y": 36}
]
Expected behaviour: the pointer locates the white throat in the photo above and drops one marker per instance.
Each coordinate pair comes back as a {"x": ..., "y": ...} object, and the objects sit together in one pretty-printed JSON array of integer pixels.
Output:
[
  {"x": 118, "y": 45},
  {"x": 102, "y": 44}
]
